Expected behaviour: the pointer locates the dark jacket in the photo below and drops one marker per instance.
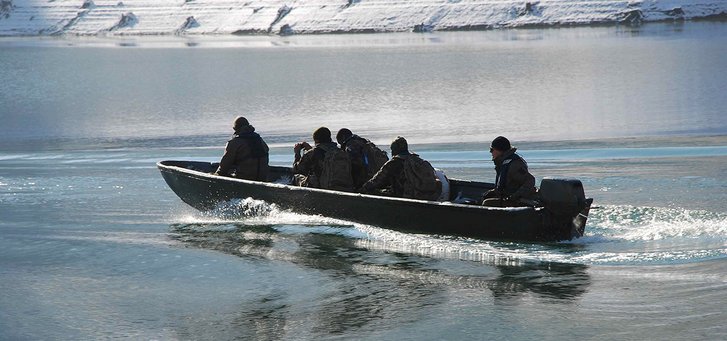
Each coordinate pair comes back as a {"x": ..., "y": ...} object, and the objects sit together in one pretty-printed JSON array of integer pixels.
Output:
[
  {"x": 311, "y": 162},
  {"x": 391, "y": 177},
  {"x": 355, "y": 147},
  {"x": 246, "y": 156},
  {"x": 513, "y": 180}
]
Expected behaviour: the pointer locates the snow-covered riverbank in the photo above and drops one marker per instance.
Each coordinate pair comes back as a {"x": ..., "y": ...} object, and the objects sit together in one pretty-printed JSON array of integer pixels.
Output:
[{"x": 92, "y": 17}]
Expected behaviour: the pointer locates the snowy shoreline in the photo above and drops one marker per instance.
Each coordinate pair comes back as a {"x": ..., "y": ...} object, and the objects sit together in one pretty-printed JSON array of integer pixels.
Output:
[{"x": 193, "y": 17}]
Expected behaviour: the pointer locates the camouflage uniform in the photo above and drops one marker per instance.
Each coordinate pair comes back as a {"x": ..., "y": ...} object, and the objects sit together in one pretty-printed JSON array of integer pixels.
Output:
[
  {"x": 390, "y": 179},
  {"x": 308, "y": 170},
  {"x": 311, "y": 162},
  {"x": 355, "y": 147}
]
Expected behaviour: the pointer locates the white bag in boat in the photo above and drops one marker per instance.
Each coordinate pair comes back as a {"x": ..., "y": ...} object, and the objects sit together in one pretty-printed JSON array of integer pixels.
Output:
[{"x": 445, "y": 184}]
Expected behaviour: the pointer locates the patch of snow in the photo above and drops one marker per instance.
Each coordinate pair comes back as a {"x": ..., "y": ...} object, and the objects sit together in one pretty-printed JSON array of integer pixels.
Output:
[{"x": 92, "y": 17}]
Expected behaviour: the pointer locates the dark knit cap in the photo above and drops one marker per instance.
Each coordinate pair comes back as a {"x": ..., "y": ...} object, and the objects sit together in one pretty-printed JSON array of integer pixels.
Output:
[
  {"x": 239, "y": 123},
  {"x": 501, "y": 143},
  {"x": 343, "y": 135},
  {"x": 399, "y": 145},
  {"x": 322, "y": 135}
]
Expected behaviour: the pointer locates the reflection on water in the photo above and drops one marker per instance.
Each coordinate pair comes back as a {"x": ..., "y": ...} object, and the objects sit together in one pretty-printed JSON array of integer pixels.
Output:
[
  {"x": 371, "y": 285},
  {"x": 552, "y": 280}
]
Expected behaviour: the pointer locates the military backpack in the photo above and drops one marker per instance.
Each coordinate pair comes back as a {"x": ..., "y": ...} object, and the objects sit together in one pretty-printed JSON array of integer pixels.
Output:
[
  {"x": 336, "y": 172},
  {"x": 374, "y": 158},
  {"x": 422, "y": 181}
]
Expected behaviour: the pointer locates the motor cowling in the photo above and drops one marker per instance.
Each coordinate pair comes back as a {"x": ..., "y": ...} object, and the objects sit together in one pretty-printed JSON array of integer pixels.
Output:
[{"x": 562, "y": 196}]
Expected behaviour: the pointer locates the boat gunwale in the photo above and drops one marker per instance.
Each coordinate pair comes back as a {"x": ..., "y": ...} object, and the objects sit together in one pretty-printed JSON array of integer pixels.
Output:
[{"x": 200, "y": 174}]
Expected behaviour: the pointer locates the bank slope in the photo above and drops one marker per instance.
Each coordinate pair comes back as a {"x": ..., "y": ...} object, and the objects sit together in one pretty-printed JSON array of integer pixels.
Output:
[{"x": 144, "y": 17}]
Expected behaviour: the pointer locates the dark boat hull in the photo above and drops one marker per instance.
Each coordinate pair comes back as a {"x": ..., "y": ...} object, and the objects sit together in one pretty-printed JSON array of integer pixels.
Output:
[{"x": 192, "y": 182}]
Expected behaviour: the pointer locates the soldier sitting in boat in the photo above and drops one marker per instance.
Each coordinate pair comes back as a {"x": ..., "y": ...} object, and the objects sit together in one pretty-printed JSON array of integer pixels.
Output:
[
  {"x": 323, "y": 166},
  {"x": 366, "y": 158},
  {"x": 514, "y": 185},
  {"x": 406, "y": 175},
  {"x": 246, "y": 154}
]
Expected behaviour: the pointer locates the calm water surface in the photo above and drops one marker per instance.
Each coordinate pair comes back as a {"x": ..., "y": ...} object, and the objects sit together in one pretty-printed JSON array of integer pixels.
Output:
[{"x": 93, "y": 244}]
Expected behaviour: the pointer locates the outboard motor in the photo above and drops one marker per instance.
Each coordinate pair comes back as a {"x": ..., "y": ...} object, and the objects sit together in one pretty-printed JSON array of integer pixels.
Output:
[{"x": 563, "y": 197}]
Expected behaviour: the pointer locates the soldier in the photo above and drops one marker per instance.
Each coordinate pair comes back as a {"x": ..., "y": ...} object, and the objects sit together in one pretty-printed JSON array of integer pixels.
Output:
[
  {"x": 366, "y": 158},
  {"x": 322, "y": 166},
  {"x": 514, "y": 185},
  {"x": 406, "y": 175},
  {"x": 246, "y": 154}
]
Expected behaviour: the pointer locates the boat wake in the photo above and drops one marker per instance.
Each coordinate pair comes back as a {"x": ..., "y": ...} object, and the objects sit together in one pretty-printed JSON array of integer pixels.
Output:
[
  {"x": 615, "y": 235},
  {"x": 633, "y": 223},
  {"x": 622, "y": 234}
]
